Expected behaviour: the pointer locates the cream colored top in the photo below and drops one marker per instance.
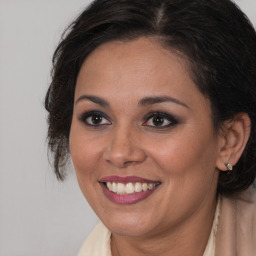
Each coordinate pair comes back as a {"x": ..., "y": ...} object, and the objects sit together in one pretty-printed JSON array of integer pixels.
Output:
[
  {"x": 98, "y": 242},
  {"x": 233, "y": 232}
]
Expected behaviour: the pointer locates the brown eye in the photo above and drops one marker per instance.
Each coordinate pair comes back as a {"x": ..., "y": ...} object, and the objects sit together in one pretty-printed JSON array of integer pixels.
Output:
[
  {"x": 159, "y": 120},
  {"x": 95, "y": 119}
]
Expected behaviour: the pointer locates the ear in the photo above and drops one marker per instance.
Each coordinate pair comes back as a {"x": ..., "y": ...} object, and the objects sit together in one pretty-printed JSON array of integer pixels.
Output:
[{"x": 233, "y": 138}]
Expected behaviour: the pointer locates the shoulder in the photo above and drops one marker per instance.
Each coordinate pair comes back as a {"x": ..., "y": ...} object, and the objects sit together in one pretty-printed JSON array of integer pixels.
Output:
[
  {"x": 237, "y": 224},
  {"x": 244, "y": 205},
  {"x": 97, "y": 243}
]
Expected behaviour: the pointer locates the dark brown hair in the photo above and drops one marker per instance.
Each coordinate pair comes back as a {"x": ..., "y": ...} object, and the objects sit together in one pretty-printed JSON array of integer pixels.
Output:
[{"x": 215, "y": 36}]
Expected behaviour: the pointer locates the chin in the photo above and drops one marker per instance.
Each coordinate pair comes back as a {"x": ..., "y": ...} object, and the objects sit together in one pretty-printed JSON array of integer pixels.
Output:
[
  {"x": 128, "y": 230},
  {"x": 131, "y": 225}
]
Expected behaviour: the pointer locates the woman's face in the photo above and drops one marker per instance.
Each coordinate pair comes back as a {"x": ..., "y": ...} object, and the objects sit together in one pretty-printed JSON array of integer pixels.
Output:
[{"x": 141, "y": 127}]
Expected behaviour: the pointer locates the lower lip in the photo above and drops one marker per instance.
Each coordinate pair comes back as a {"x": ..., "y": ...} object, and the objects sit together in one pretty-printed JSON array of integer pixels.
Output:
[{"x": 127, "y": 198}]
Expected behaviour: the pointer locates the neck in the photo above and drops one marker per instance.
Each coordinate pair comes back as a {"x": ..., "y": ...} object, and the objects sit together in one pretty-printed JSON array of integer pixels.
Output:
[{"x": 187, "y": 239}]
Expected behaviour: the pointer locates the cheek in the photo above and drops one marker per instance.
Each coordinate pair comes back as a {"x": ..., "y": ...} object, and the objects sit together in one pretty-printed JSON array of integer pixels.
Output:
[
  {"x": 82, "y": 151},
  {"x": 187, "y": 165},
  {"x": 182, "y": 154},
  {"x": 84, "y": 158}
]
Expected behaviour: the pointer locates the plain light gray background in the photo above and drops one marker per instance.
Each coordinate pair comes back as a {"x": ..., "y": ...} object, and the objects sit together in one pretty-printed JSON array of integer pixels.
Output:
[{"x": 38, "y": 215}]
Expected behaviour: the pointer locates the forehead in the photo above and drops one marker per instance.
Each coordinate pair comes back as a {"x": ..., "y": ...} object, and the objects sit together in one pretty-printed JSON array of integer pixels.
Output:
[
  {"x": 125, "y": 72},
  {"x": 139, "y": 61}
]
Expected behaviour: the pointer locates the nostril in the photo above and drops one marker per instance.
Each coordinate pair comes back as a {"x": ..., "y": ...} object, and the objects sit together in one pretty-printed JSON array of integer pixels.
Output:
[
  {"x": 122, "y": 153},
  {"x": 127, "y": 163}
]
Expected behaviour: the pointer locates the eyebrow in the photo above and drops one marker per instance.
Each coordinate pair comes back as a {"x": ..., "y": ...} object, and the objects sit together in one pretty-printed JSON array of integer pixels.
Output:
[
  {"x": 160, "y": 99},
  {"x": 94, "y": 99},
  {"x": 143, "y": 102}
]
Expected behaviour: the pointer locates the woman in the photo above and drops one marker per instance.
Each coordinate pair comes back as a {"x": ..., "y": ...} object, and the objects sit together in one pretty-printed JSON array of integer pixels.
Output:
[{"x": 155, "y": 100}]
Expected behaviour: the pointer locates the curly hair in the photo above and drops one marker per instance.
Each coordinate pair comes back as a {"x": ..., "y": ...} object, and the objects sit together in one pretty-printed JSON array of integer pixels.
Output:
[{"x": 216, "y": 37}]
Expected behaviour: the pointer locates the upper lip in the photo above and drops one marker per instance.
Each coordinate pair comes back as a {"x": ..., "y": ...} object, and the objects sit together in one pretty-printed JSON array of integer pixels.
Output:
[{"x": 126, "y": 179}]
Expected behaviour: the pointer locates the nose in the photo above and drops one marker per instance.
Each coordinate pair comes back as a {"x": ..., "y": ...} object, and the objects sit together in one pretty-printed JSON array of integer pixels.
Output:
[{"x": 124, "y": 148}]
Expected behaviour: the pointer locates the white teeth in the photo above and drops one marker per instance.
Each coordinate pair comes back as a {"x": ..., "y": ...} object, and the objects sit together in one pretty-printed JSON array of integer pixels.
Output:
[
  {"x": 144, "y": 186},
  {"x": 109, "y": 186},
  {"x": 114, "y": 187},
  {"x": 150, "y": 185},
  {"x": 120, "y": 188},
  {"x": 138, "y": 187},
  {"x": 129, "y": 188}
]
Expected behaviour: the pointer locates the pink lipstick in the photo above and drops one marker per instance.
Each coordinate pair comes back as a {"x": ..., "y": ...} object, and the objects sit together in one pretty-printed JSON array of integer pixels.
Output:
[{"x": 127, "y": 190}]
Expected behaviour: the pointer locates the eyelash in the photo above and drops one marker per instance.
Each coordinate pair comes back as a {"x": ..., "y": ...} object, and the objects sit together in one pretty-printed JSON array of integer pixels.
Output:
[
  {"x": 84, "y": 118},
  {"x": 172, "y": 121}
]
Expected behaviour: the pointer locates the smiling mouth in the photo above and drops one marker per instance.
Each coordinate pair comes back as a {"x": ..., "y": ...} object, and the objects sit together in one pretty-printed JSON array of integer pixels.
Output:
[
  {"x": 127, "y": 190},
  {"x": 130, "y": 187}
]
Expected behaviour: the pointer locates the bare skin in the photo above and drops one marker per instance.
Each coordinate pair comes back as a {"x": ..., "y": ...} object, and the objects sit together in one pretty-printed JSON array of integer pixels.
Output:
[{"x": 148, "y": 120}]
